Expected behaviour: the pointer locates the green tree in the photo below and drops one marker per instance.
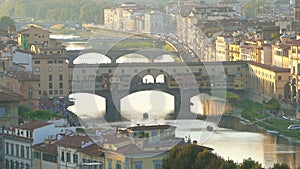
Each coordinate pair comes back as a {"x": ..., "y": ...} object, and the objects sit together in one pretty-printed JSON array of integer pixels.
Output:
[
  {"x": 229, "y": 164},
  {"x": 281, "y": 166},
  {"x": 182, "y": 157},
  {"x": 249, "y": 164},
  {"x": 5, "y": 22},
  {"x": 207, "y": 160}
]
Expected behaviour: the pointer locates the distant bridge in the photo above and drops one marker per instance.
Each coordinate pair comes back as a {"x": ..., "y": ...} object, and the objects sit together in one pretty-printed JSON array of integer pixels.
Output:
[{"x": 45, "y": 25}]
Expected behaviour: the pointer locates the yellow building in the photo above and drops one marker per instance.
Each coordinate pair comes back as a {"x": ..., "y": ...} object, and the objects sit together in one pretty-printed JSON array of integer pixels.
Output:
[
  {"x": 123, "y": 154},
  {"x": 33, "y": 35},
  {"x": 92, "y": 156},
  {"x": 280, "y": 53},
  {"x": 25, "y": 84},
  {"x": 45, "y": 155},
  {"x": 53, "y": 72},
  {"x": 268, "y": 81},
  {"x": 222, "y": 47},
  {"x": 234, "y": 52},
  {"x": 294, "y": 56}
]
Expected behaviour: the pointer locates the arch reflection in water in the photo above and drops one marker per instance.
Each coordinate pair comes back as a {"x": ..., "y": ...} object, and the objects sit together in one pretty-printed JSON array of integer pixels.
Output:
[
  {"x": 157, "y": 104},
  {"x": 166, "y": 58},
  {"x": 92, "y": 58},
  {"x": 88, "y": 106},
  {"x": 132, "y": 58}
]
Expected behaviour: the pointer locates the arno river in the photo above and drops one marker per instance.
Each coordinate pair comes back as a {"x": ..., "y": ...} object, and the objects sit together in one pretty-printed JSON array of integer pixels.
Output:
[{"x": 229, "y": 144}]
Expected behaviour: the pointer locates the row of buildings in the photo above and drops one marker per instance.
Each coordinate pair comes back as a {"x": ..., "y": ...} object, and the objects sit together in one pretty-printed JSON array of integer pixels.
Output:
[
  {"x": 41, "y": 144},
  {"x": 132, "y": 17}
]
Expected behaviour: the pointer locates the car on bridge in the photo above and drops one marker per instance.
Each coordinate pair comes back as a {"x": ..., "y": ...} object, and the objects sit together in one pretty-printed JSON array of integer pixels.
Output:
[{"x": 294, "y": 127}]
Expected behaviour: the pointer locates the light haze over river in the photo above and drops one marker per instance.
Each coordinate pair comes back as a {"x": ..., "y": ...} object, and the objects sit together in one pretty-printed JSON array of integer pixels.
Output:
[{"x": 227, "y": 143}]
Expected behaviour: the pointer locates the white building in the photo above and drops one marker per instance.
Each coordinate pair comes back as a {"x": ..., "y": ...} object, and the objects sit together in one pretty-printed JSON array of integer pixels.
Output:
[{"x": 19, "y": 140}]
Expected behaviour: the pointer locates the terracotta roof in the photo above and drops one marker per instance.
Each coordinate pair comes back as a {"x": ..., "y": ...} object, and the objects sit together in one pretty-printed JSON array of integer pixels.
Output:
[
  {"x": 93, "y": 149},
  {"x": 33, "y": 125},
  {"x": 118, "y": 140},
  {"x": 75, "y": 141},
  {"x": 10, "y": 97},
  {"x": 131, "y": 148},
  {"x": 47, "y": 148},
  {"x": 32, "y": 27},
  {"x": 153, "y": 127},
  {"x": 23, "y": 76},
  {"x": 271, "y": 68}
]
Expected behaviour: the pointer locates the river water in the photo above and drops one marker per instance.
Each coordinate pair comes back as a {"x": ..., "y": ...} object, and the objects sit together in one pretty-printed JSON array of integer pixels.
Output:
[{"x": 229, "y": 144}]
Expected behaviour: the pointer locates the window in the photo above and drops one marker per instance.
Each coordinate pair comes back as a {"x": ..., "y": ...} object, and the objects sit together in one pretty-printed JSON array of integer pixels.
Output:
[
  {"x": 75, "y": 158},
  {"x": 62, "y": 156},
  {"x": 157, "y": 164},
  {"x": 50, "y": 77},
  {"x": 61, "y": 92},
  {"x": 138, "y": 165},
  {"x": 37, "y": 69},
  {"x": 7, "y": 148},
  {"x": 2, "y": 111},
  {"x": 55, "y": 92},
  {"x": 27, "y": 152},
  {"x": 61, "y": 85},
  {"x": 60, "y": 61},
  {"x": 50, "y": 62},
  {"x": 50, "y": 85},
  {"x": 30, "y": 93},
  {"x": 109, "y": 163},
  {"x": 68, "y": 157},
  {"x": 37, "y": 62},
  {"x": 238, "y": 68},
  {"x": 17, "y": 150},
  {"x": 50, "y": 92},
  {"x": 60, "y": 77},
  {"x": 22, "y": 152},
  {"x": 37, "y": 155},
  {"x": 12, "y": 164},
  {"x": 279, "y": 77},
  {"x": 109, "y": 70},
  {"x": 12, "y": 149},
  {"x": 49, "y": 158},
  {"x": 118, "y": 165}
]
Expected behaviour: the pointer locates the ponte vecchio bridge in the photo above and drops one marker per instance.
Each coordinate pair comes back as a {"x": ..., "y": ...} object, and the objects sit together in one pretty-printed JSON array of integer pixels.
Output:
[{"x": 114, "y": 81}]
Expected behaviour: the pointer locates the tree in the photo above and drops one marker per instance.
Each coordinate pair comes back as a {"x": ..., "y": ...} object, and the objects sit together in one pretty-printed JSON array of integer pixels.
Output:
[
  {"x": 207, "y": 160},
  {"x": 249, "y": 164},
  {"x": 5, "y": 22},
  {"x": 183, "y": 157},
  {"x": 281, "y": 166}
]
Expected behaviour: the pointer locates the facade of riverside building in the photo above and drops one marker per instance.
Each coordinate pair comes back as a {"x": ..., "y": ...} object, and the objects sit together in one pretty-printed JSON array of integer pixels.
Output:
[{"x": 18, "y": 142}]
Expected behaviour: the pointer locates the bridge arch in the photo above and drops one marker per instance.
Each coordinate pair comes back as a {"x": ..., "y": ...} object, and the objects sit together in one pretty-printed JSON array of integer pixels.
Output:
[
  {"x": 157, "y": 104},
  {"x": 166, "y": 58},
  {"x": 132, "y": 58},
  {"x": 91, "y": 58}
]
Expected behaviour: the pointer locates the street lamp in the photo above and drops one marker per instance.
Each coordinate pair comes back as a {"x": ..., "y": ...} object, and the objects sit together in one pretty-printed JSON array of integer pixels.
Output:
[{"x": 91, "y": 165}]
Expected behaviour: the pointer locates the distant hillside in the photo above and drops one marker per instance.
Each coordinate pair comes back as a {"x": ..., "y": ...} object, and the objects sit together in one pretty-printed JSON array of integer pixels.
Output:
[{"x": 56, "y": 10}]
